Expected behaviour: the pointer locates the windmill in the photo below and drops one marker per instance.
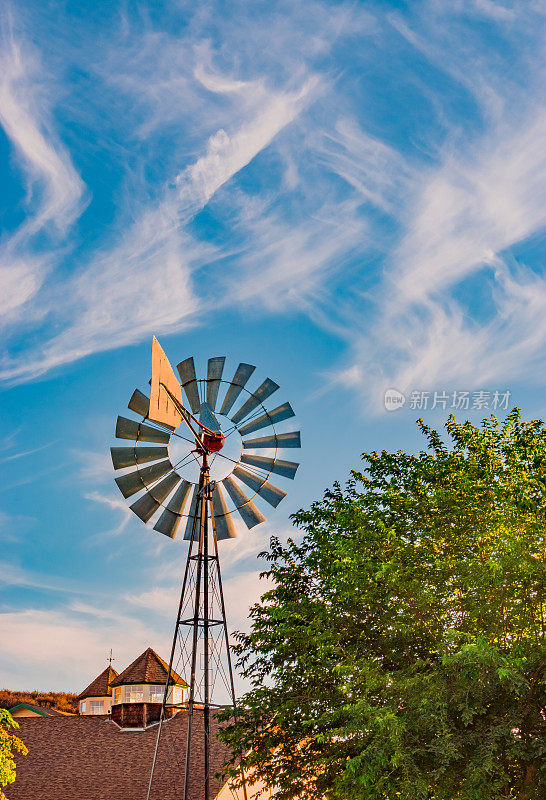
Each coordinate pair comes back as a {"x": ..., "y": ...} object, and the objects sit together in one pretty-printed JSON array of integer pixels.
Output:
[{"x": 198, "y": 461}]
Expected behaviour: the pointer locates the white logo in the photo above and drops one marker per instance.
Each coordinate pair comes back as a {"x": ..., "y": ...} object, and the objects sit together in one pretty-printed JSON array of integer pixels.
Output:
[{"x": 394, "y": 399}]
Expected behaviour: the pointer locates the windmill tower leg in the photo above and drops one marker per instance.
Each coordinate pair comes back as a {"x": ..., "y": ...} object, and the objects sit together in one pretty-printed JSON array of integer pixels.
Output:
[
  {"x": 201, "y": 594},
  {"x": 206, "y": 653},
  {"x": 181, "y": 604}
]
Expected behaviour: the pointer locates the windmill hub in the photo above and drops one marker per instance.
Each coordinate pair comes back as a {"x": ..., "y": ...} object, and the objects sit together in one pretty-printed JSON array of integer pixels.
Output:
[
  {"x": 185, "y": 458},
  {"x": 213, "y": 442}
]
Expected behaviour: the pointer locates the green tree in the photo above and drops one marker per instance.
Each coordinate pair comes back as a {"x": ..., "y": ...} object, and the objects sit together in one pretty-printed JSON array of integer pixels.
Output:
[
  {"x": 400, "y": 653},
  {"x": 9, "y": 743}
]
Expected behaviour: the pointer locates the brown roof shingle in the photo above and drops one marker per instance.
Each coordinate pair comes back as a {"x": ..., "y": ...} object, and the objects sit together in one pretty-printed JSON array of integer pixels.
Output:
[
  {"x": 100, "y": 687},
  {"x": 90, "y": 758},
  {"x": 147, "y": 668}
]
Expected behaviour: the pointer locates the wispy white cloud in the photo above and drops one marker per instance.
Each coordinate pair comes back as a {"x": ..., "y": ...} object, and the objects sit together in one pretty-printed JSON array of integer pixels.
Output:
[
  {"x": 25, "y": 453},
  {"x": 14, "y": 526},
  {"x": 347, "y": 218},
  {"x": 481, "y": 194},
  {"x": 141, "y": 278},
  {"x": 67, "y": 644},
  {"x": 115, "y": 504},
  {"x": 32, "y": 477},
  {"x": 55, "y": 193},
  {"x": 226, "y": 155},
  {"x": 285, "y": 266},
  {"x": 240, "y": 574},
  {"x": 379, "y": 173},
  {"x": 473, "y": 207},
  {"x": 93, "y": 467},
  {"x": 27, "y": 119},
  {"x": 21, "y": 276},
  {"x": 470, "y": 210},
  {"x": 453, "y": 350},
  {"x": 242, "y": 587},
  {"x": 14, "y": 575},
  {"x": 143, "y": 282}
]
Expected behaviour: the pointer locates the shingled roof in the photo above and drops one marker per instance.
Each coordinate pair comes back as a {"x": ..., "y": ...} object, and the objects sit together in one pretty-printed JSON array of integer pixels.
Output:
[
  {"x": 100, "y": 687},
  {"x": 90, "y": 758},
  {"x": 148, "y": 668}
]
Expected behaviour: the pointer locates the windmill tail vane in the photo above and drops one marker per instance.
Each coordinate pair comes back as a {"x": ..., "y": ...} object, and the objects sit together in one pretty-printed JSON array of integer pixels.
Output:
[{"x": 196, "y": 462}]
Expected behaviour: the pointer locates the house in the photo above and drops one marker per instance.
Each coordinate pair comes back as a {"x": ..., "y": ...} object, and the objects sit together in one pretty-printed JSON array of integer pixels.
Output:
[
  {"x": 108, "y": 756},
  {"x": 139, "y": 690},
  {"x": 134, "y": 697},
  {"x": 29, "y": 710},
  {"x": 97, "y": 697}
]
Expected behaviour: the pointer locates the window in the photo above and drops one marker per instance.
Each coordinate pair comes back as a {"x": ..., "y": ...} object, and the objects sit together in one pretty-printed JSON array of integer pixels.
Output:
[
  {"x": 133, "y": 694},
  {"x": 178, "y": 694},
  {"x": 117, "y": 695},
  {"x": 82, "y": 707},
  {"x": 96, "y": 707},
  {"x": 156, "y": 694}
]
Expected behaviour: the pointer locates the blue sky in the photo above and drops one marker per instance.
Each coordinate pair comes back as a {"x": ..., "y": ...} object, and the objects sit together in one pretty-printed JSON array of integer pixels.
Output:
[{"x": 349, "y": 195}]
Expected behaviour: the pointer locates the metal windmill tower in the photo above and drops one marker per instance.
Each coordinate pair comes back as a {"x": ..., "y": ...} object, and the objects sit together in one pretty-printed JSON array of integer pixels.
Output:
[{"x": 199, "y": 453}]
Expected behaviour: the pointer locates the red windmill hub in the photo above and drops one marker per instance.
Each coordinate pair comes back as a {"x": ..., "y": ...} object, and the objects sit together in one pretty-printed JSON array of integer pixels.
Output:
[{"x": 213, "y": 442}]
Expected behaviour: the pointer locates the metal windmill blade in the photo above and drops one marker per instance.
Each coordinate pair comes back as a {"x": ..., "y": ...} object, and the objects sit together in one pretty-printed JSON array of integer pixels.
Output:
[
  {"x": 140, "y": 432},
  {"x": 264, "y": 489},
  {"x": 238, "y": 383},
  {"x": 191, "y": 527},
  {"x": 139, "y": 403},
  {"x": 214, "y": 377},
  {"x": 146, "y": 505},
  {"x": 131, "y": 456},
  {"x": 278, "y": 414},
  {"x": 171, "y": 517},
  {"x": 250, "y": 515},
  {"x": 285, "y": 468},
  {"x": 257, "y": 398},
  {"x": 225, "y": 529},
  {"x": 134, "y": 482},
  {"x": 275, "y": 440},
  {"x": 188, "y": 378}
]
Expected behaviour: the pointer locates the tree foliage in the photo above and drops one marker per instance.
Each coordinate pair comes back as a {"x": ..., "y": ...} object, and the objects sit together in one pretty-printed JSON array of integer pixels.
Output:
[
  {"x": 400, "y": 654},
  {"x": 61, "y": 701},
  {"x": 9, "y": 744}
]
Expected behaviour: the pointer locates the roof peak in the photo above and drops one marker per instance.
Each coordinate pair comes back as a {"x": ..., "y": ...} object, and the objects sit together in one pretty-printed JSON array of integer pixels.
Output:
[
  {"x": 100, "y": 686},
  {"x": 148, "y": 667}
]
